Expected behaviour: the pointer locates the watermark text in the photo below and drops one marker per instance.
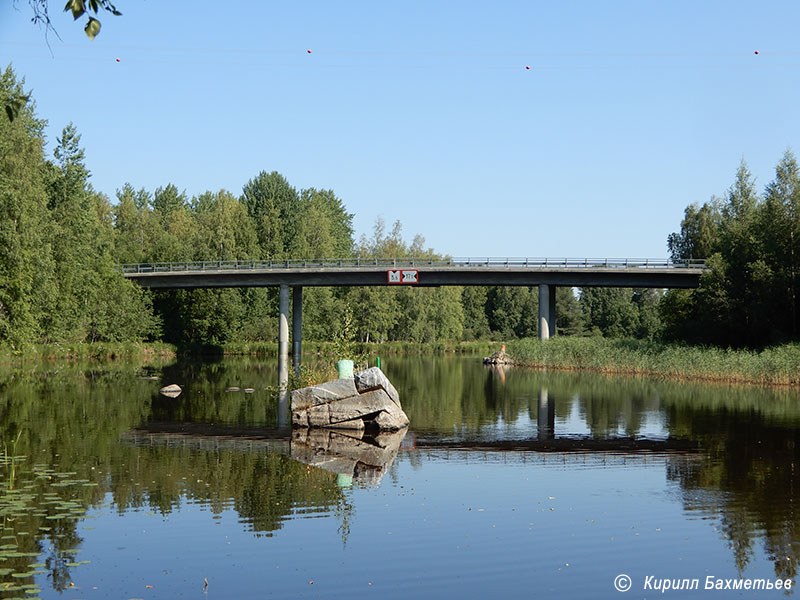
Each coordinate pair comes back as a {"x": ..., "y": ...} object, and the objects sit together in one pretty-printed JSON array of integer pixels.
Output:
[{"x": 623, "y": 583}]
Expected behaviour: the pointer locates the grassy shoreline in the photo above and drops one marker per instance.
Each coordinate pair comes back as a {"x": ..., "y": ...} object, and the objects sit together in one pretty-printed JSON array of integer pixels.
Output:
[
  {"x": 779, "y": 365},
  {"x": 110, "y": 351},
  {"x": 360, "y": 348}
]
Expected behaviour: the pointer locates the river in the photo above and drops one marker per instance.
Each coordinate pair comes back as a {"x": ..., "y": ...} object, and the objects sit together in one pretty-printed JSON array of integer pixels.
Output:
[{"x": 513, "y": 484}]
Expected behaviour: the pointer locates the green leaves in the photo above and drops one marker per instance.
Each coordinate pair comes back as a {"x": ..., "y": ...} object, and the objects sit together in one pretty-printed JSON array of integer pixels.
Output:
[
  {"x": 78, "y": 9},
  {"x": 92, "y": 28}
]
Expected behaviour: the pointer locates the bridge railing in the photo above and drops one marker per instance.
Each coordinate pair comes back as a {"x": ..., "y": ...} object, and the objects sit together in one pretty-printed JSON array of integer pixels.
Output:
[{"x": 388, "y": 263}]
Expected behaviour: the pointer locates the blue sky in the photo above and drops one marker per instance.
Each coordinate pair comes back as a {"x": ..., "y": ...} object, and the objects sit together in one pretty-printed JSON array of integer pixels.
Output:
[{"x": 424, "y": 112}]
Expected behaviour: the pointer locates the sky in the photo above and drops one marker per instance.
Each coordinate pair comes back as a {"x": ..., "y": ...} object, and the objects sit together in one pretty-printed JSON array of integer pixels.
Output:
[{"x": 427, "y": 113}]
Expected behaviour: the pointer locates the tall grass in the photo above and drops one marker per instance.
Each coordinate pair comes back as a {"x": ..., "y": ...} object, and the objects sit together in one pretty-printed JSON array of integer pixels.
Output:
[{"x": 779, "y": 365}]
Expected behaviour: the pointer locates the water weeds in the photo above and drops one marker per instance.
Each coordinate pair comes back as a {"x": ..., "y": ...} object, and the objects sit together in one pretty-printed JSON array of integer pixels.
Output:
[{"x": 32, "y": 500}]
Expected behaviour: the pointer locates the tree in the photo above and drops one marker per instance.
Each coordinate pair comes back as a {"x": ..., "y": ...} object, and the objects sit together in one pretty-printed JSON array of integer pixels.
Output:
[
  {"x": 473, "y": 302},
  {"x": 748, "y": 296},
  {"x": 26, "y": 266},
  {"x": 226, "y": 231},
  {"x": 75, "y": 231},
  {"x": 782, "y": 226},
  {"x": 167, "y": 200},
  {"x": 609, "y": 311},
  {"x": 698, "y": 235},
  {"x": 649, "y": 325},
  {"x": 513, "y": 311},
  {"x": 569, "y": 316},
  {"x": 133, "y": 228},
  {"x": 94, "y": 301},
  {"x": 324, "y": 227},
  {"x": 273, "y": 205}
]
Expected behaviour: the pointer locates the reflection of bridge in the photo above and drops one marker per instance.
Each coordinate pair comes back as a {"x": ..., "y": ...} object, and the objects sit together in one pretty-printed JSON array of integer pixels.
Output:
[
  {"x": 213, "y": 437},
  {"x": 546, "y": 273}
]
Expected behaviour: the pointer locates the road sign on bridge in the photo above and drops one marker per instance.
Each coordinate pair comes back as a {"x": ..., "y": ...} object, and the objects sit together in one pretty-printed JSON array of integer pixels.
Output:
[{"x": 403, "y": 276}]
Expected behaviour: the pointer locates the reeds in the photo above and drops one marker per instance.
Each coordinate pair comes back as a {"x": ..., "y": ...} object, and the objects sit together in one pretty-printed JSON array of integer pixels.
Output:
[{"x": 778, "y": 365}]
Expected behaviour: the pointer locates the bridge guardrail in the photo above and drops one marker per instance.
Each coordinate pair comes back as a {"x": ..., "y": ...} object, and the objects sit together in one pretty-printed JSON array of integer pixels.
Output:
[{"x": 464, "y": 263}]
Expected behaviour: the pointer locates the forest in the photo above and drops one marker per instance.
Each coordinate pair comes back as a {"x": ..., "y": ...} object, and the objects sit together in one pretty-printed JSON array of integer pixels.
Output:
[{"x": 61, "y": 243}]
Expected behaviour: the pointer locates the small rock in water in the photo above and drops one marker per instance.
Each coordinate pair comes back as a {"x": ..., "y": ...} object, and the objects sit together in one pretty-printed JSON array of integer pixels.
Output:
[{"x": 172, "y": 390}]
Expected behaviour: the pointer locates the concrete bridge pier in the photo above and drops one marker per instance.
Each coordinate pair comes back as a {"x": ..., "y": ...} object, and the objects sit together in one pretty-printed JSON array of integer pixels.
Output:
[
  {"x": 546, "y": 416},
  {"x": 283, "y": 355},
  {"x": 297, "y": 328},
  {"x": 547, "y": 311}
]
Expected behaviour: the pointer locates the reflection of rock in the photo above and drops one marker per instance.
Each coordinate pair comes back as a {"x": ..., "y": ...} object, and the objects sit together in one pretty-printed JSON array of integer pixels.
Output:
[
  {"x": 368, "y": 400},
  {"x": 172, "y": 390},
  {"x": 365, "y": 458}
]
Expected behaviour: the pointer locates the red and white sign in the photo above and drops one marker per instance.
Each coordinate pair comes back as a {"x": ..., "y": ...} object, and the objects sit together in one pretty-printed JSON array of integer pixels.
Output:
[{"x": 401, "y": 276}]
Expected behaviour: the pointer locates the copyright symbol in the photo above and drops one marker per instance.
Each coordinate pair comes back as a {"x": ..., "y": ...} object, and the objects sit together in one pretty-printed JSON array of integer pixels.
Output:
[{"x": 622, "y": 583}]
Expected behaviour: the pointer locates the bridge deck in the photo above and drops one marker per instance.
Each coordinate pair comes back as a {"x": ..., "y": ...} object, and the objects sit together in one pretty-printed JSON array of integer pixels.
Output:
[{"x": 658, "y": 273}]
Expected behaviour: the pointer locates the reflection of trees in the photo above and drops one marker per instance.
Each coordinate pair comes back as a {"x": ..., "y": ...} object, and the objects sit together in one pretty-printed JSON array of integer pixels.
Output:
[
  {"x": 68, "y": 418},
  {"x": 264, "y": 488},
  {"x": 204, "y": 398},
  {"x": 749, "y": 480},
  {"x": 441, "y": 394},
  {"x": 71, "y": 419}
]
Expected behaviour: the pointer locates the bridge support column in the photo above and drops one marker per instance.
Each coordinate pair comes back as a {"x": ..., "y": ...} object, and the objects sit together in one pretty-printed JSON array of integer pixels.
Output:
[
  {"x": 297, "y": 328},
  {"x": 546, "y": 416},
  {"x": 283, "y": 355},
  {"x": 547, "y": 311}
]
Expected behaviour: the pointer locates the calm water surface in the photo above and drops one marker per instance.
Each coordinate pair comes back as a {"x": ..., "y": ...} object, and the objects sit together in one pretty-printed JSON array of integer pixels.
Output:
[{"x": 511, "y": 484}]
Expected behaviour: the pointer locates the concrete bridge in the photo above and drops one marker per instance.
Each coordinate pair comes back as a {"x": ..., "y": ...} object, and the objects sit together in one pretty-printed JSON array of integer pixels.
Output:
[{"x": 546, "y": 273}]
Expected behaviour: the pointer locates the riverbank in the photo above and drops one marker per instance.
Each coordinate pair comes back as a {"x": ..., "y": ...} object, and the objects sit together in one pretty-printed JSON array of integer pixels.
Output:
[
  {"x": 778, "y": 365},
  {"x": 106, "y": 351},
  {"x": 357, "y": 348},
  {"x": 100, "y": 351}
]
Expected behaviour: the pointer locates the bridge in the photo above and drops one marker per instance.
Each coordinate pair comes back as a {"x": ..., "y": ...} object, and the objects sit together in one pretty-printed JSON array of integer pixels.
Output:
[{"x": 546, "y": 273}]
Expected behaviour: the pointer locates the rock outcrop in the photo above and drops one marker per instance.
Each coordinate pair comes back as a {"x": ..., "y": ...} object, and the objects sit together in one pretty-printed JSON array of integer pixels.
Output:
[
  {"x": 499, "y": 358},
  {"x": 367, "y": 401}
]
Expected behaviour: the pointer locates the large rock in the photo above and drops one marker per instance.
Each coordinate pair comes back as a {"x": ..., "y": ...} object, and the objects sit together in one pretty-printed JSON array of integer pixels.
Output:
[{"x": 368, "y": 401}]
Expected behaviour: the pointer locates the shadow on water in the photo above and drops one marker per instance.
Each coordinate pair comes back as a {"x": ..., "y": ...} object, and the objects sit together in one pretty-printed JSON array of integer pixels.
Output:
[{"x": 111, "y": 438}]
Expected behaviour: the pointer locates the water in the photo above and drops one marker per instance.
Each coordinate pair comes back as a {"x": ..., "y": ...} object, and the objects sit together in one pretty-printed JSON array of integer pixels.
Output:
[{"x": 118, "y": 492}]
